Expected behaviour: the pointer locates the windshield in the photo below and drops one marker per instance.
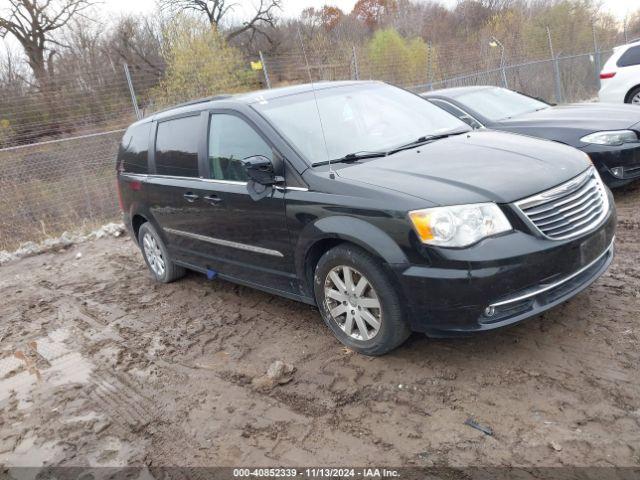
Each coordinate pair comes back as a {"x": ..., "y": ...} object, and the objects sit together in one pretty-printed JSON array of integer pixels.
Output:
[
  {"x": 500, "y": 103},
  {"x": 366, "y": 117}
]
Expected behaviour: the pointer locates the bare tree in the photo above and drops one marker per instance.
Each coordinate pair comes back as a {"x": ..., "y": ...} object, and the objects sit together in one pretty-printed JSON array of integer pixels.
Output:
[
  {"x": 33, "y": 23},
  {"x": 218, "y": 10},
  {"x": 137, "y": 41}
]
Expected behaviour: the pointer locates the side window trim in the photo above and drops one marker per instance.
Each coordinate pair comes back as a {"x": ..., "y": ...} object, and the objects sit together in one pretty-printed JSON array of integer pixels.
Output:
[
  {"x": 203, "y": 145},
  {"x": 151, "y": 157},
  {"x": 203, "y": 149}
]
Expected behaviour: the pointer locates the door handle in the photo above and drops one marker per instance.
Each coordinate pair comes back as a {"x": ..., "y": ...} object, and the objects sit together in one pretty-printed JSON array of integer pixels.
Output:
[
  {"x": 213, "y": 199},
  {"x": 190, "y": 197}
]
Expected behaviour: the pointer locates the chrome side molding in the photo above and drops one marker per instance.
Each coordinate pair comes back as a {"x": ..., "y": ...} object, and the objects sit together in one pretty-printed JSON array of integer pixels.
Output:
[{"x": 225, "y": 243}]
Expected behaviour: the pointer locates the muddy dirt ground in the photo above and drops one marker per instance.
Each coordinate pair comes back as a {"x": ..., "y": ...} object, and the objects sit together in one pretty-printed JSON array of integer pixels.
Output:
[{"x": 99, "y": 365}]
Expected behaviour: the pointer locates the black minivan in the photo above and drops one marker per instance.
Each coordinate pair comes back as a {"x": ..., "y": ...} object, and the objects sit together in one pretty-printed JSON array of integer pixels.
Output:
[{"x": 385, "y": 211}]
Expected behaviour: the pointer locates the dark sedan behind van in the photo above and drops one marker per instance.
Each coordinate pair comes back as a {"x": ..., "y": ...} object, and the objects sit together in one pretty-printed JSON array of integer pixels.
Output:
[
  {"x": 608, "y": 133},
  {"x": 385, "y": 211}
]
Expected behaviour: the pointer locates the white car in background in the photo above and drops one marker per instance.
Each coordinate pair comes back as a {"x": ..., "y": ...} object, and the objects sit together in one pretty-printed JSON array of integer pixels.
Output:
[{"x": 620, "y": 77}]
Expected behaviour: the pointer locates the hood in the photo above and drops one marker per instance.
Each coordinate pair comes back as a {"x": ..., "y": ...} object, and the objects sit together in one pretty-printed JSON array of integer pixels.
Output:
[
  {"x": 482, "y": 166},
  {"x": 586, "y": 117}
]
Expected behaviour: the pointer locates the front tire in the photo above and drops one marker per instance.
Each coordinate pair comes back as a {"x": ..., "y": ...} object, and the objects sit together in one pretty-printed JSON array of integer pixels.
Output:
[
  {"x": 156, "y": 256},
  {"x": 358, "y": 302}
]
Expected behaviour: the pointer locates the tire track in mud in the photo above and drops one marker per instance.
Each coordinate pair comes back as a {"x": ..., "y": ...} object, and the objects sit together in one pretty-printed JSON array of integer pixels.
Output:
[
  {"x": 113, "y": 394},
  {"x": 123, "y": 402}
]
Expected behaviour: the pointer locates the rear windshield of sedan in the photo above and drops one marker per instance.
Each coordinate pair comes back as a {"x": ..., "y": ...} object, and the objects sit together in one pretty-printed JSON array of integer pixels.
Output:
[
  {"x": 355, "y": 119},
  {"x": 499, "y": 103}
]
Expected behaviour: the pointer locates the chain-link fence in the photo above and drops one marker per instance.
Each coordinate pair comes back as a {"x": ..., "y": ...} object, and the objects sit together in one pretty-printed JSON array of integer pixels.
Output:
[
  {"x": 570, "y": 78},
  {"x": 58, "y": 164},
  {"x": 58, "y": 185},
  {"x": 557, "y": 79}
]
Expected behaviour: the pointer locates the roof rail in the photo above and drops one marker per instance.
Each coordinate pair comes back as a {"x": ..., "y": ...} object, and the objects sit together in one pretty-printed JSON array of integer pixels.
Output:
[{"x": 221, "y": 96}]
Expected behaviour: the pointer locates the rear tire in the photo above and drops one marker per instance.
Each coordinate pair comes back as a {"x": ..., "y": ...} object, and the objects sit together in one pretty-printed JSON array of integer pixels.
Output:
[
  {"x": 358, "y": 302},
  {"x": 156, "y": 256},
  {"x": 634, "y": 97}
]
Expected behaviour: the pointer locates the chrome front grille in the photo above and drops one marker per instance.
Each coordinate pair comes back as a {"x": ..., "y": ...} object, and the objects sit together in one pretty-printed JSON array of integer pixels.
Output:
[{"x": 570, "y": 209}]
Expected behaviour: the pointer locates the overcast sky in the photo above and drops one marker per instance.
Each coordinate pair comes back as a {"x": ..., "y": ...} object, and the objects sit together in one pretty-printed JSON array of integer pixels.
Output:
[{"x": 292, "y": 8}]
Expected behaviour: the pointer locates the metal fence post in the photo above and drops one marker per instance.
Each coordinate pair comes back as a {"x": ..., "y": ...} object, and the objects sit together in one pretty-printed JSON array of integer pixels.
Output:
[
  {"x": 503, "y": 63},
  {"x": 504, "y": 77},
  {"x": 429, "y": 66},
  {"x": 356, "y": 67},
  {"x": 132, "y": 92},
  {"x": 558, "y": 80},
  {"x": 596, "y": 55},
  {"x": 264, "y": 69},
  {"x": 556, "y": 68}
]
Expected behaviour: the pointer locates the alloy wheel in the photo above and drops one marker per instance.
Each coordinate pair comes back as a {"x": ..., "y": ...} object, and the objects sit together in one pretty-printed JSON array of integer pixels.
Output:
[
  {"x": 636, "y": 99},
  {"x": 154, "y": 254},
  {"x": 352, "y": 303}
]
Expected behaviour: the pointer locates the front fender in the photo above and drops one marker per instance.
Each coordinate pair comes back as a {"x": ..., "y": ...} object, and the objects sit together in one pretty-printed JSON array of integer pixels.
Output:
[{"x": 350, "y": 229}]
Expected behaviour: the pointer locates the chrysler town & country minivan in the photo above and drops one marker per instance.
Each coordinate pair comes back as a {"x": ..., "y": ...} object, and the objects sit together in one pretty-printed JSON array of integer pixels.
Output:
[{"x": 386, "y": 212}]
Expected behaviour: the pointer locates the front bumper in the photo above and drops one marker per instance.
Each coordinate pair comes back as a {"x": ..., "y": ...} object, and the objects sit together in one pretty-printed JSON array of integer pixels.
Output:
[
  {"x": 503, "y": 280},
  {"x": 546, "y": 295},
  {"x": 605, "y": 158}
]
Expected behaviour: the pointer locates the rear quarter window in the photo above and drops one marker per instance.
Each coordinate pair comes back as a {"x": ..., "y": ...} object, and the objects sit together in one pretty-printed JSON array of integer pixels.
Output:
[
  {"x": 134, "y": 149},
  {"x": 630, "y": 58}
]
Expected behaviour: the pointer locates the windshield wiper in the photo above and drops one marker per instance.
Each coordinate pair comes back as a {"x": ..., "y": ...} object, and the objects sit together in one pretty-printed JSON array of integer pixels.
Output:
[
  {"x": 425, "y": 139},
  {"x": 351, "y": 157},
  {"x": 354, "y": 157}
]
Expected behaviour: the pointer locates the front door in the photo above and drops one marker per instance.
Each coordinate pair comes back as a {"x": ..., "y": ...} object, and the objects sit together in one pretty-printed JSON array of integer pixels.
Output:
[{"x": 237, "y": 236}]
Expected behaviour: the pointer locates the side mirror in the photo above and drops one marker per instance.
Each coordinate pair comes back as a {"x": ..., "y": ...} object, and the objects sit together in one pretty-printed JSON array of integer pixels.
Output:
[{"x": 260, "y": 170}]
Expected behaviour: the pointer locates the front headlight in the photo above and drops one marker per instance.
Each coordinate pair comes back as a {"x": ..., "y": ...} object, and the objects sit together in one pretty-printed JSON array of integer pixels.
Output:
[
  {"x": 617, "y": 137},
  {"x": 459, "y": 225}
]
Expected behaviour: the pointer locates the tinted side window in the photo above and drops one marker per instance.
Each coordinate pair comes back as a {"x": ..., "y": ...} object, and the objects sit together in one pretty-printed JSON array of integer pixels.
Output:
[
  {"x": 231, "y": 140},
  {"x": 630, "y": 57},
  {"x": 134, "y": 149},
  {"x": 177, "y": 147}
]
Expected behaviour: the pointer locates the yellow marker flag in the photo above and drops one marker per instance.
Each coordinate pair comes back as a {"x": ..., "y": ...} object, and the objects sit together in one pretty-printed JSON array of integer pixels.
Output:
[{"x": 256, "y": 65}]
